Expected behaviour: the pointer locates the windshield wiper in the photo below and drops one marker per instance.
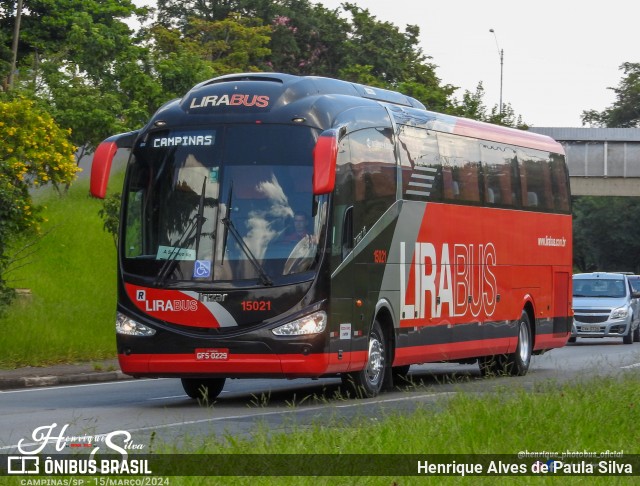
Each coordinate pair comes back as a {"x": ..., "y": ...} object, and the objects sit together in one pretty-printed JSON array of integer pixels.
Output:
[
  {"x": 230, "y": 228},
  {"x": 195, "y": 224}
]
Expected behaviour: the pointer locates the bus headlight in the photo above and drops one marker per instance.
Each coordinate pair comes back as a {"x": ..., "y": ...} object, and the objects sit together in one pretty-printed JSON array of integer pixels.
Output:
[
  {"x": 311, "y": 324},
  {"x": 619, "y": 313},
  {"x": 126, "y": 325}
]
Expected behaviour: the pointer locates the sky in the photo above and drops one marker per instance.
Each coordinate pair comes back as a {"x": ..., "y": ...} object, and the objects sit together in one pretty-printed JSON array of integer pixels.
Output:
[{"x": 560, "y": 57}]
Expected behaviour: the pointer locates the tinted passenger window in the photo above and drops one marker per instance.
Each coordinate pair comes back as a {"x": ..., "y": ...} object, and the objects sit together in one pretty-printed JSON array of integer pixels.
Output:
[
  {"x": 460, "y": 168},
  {"x": 420, "y": 162},
  {"x": 498, "y": 165},
  {"x": 560, "y": 184},
  {"x": 374, "y": 176},
  {"x": 535, "y": 179}
]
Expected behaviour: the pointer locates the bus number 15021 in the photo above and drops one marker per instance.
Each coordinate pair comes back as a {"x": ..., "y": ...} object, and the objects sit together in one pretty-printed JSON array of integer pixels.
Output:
[{"x": 256, "y": 305}]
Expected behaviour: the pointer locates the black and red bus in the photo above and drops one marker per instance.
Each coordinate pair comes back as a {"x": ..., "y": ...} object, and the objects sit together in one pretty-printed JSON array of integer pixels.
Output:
[{"x": 282, "y": 226}]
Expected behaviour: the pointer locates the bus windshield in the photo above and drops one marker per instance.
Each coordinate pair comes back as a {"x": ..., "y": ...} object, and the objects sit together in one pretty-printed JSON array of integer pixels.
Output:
[{"x": 232, "y": 202}]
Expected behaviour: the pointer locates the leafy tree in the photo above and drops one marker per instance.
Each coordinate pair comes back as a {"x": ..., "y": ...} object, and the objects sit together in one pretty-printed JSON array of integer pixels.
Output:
[
  {"x": 179, "y": 63},
  {"x": 84, "y": 108},
  {"x": 625, "y": 111},
  {"x": 110, "y": 214},
  {"x": 393, "y": 55},
  {"x": 606, "y": 236},
  {"x": 206, "y": 48},
  {"x": 34, "y": 151},
  {"x": 307, "y": 39},
  {"x": 80, "y": 58},
  {"x": 233, "y": 44},
  {"x": 606, "y": 233},
  {"x": 472, "y": 106}
]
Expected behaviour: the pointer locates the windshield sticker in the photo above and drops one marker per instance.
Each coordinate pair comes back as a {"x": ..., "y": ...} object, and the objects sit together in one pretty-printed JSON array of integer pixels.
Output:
[
  {"x": 173, "y": 253},
  {"x": 202, "y": 269},
  {"x": 213, "y": 174},
  {"x": 202, "y": 140}
]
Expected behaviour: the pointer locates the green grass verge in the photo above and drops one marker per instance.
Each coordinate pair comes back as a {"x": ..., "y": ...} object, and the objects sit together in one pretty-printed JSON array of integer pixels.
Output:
[
  {"x": 590, "y": 415},
  {"x": 594, "y": 416},
  {"x": 71, "y": 275}
]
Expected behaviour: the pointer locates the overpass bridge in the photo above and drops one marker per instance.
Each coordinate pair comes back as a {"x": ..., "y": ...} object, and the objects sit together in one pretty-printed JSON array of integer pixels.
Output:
[{"x": 601, "y": 161}]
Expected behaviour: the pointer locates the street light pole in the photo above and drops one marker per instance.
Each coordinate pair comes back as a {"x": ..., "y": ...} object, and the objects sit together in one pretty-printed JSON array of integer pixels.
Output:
[{"x": 501, "y": 54}]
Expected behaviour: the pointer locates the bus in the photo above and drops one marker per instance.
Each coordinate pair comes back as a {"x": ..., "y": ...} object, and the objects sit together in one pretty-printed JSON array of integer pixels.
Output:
[{"x": 304, "y": 227}]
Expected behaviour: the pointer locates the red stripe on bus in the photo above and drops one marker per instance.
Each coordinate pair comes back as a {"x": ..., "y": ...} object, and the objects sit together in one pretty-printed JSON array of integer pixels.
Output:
[
  {"x": 285, "y": 365},
  {"x": 172, "y": 306},
  {"x": 459, "y": 350}
]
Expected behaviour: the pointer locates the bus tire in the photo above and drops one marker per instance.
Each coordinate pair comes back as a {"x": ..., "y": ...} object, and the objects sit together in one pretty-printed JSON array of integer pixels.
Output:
[
  {"x": 203, "y": 388},
  {"x": 517, "y": 364},
  {"x": 367, "y": 383}
]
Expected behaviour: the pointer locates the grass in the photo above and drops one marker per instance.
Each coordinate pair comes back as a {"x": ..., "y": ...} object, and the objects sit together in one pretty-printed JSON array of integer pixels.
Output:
[
  {"x": 594, "y": 416},
  {"x": 69, "y": 313},
  {"x": 597, "y": 415}
]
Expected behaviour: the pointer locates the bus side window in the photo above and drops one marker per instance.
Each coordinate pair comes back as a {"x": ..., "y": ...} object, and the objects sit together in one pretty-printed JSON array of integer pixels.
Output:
[
  {"x": 535, "y": 176},
  {"x": 450, "y": 188},
  {"x": 420, "y": 164},
  {"x": 560, "y": 184},
  {"x": 374, "y": 176},
  {"x": 497, "y": 174},
  {"x": 462, "y": 156}
]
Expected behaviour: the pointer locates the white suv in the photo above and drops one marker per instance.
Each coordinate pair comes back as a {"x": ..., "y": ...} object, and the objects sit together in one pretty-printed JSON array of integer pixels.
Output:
[{"x": 605, "y": 305}]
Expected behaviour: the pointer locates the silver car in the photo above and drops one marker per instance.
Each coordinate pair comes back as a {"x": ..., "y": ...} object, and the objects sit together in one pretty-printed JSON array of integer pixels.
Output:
[{"x": 605, "y": 305}]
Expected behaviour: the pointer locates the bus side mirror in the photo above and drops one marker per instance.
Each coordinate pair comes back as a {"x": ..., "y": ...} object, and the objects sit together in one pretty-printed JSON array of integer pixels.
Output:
[
  {"x": 101, "y": 167},
  {"x": 103, "y": 158},
  {"x": 325, "y": 154}
]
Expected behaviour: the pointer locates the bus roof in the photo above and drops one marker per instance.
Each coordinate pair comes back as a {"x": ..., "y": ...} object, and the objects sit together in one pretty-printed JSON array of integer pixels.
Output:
[{"x": 280, "y": 98}]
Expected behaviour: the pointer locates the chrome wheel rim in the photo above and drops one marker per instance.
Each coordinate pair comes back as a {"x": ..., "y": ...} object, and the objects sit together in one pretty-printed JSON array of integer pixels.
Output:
[
  {"x": 375, "y": 362},
  {"x": 525, "y": 342}
]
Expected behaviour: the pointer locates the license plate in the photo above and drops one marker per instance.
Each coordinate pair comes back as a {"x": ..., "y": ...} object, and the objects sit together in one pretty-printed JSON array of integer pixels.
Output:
[
  {"x": 218, "y": 354},
  {"x": 590, "y": 329}
]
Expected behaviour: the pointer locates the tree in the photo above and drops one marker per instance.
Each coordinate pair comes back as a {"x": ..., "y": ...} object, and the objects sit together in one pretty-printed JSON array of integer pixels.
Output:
[
  {"x": 625, "y": 111},
  {"x": 203, "y": 48},
  {"x": 606, "y": 233},
  {"x": 34, "y": 152},
  {"x": 606, "y": 236},
  {"x": 472, "y": 106},
  {"x": 178, "y": 61},
  {"x": 80, "y": 57},
  {"x": 233, "y": 44}
]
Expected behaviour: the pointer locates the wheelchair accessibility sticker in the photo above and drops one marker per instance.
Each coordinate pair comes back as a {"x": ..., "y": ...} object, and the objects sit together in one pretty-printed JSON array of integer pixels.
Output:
[{"x": 202, "y": 269}]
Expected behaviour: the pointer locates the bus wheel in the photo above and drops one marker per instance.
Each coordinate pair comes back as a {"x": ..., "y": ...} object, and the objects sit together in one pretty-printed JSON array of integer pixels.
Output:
[
  {"x": 367, "y": 383},
  {"x": 517, "y": 364},
  {"x": 203, "y": 388}
]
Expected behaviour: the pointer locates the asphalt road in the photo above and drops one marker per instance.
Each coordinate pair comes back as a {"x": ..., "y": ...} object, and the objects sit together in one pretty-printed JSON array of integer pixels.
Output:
[{"x": 158, "y": 411}]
